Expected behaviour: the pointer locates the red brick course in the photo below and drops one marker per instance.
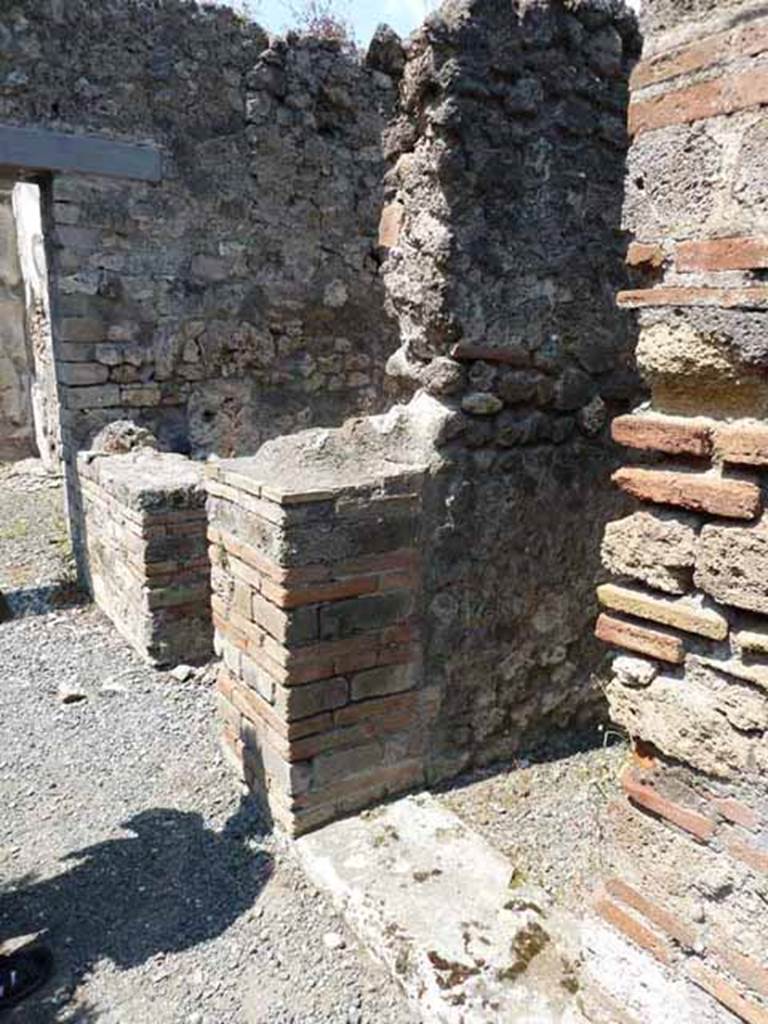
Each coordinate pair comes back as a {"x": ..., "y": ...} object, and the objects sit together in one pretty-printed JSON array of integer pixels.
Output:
[
  {"x": 722, "y": 254},
  {"x": 734, "y": 499},
  {"x": 682, "y": 933},
  {"x": 748, "y": 298},
  {"x": 322, "y": 660},
  {"x": 727, "y": 995},
  {"x": 735, "y": 811},
  {"x": 742, "y": 443},
  {"x": 748, "y": 971},
  {"x": 632, "y": 929},
  {"x": 722, "y": 95},
  {"x": 676, "y": 436},
  {"x": 652, "y": 642},
  {"x": 698, "y": 825},
  {"x": 744, "y": 41},
  {"x": 754, "y": 857}
]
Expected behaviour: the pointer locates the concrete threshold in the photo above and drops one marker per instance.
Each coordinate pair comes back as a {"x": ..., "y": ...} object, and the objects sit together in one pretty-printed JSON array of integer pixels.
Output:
[{"x": 445, "y": 913}]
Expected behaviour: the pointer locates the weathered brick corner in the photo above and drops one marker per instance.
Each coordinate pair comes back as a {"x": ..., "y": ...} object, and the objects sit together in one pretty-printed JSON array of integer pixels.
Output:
[
  {"x": 145, "y": 537},
  {"x": 315, "y": 593},
  {"x": 678, "y": 928}
]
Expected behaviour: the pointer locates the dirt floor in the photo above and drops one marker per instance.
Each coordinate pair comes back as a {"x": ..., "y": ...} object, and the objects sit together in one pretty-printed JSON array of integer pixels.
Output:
[
  {"x": 123, "y": 838},
  {"x": 546, "y": 811}
]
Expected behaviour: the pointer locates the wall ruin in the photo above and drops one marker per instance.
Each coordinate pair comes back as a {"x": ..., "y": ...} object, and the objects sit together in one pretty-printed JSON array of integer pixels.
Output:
[
  {"x": 17, "y": 431},
  {"x": 238, "y": 298},
  {"x": 504, "y": 205},
  {"x": 502, "y": 230},
  {"x": 679, "y": 934}
]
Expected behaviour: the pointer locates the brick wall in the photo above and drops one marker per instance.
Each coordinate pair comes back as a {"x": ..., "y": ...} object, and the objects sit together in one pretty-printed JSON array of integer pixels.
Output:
[
  {"x": 145, "y": 537},
  {"x": 316, "y": 594},
  {"x": 678, "y": 932}
]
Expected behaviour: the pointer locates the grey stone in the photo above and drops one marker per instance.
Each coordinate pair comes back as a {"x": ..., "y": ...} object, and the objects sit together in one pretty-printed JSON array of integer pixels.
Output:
[
  {"x": 122, "y": 436},
  {"x": 481, "y": 403}
]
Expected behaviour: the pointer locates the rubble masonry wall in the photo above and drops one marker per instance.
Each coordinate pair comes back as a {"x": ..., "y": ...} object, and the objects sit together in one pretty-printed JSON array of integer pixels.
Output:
[
  {"x": 503, "y": 214},
  {"x": 239, "y": 297}
]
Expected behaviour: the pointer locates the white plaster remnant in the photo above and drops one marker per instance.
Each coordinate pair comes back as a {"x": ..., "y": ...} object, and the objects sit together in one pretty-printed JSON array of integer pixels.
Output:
[{"x": 446, "y": 914}]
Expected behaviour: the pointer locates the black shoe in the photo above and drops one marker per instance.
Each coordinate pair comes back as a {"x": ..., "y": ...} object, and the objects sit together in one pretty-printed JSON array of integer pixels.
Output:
[{"x": 22, "y": 973}]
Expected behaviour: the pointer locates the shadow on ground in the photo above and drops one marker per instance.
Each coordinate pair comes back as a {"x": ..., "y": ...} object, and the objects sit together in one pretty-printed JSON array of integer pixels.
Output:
[
  {"x": 559, "y": 745},
  {"x": 57, "y": 596},
  {"x": 171, "y": 885}
]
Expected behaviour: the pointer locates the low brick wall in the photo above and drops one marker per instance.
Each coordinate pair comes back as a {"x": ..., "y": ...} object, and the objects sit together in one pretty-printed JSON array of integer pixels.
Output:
[
  {"x": 315, "y": 592},
  {"x": 145, "y": 539}
]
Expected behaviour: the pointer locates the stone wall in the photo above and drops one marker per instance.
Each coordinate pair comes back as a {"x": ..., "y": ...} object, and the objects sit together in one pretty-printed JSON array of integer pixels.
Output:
[
  {"x": 679, "y": 934},
  {"x": 239, "y": 297},
  {"x": 505, "y": 253},
  {"x": 28, "y": 217},
  {"x": 145, "y": 537},
  {"x": 17, "y": 432}
]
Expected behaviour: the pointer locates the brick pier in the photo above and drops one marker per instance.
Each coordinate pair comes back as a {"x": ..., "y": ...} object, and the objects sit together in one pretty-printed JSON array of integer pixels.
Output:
[{"x": 316, "y": 590}]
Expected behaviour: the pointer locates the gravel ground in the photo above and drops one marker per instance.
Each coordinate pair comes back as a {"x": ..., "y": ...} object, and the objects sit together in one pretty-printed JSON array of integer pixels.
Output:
[
  {"x": 123, "y": 837},
  {"x": 546, "y": 811},
  {"x": 36, "y": 568}
]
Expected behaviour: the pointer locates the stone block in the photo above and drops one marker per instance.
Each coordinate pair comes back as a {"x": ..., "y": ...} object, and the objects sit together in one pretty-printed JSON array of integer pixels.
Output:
[
  {"x": 732, "y": 565},
  {"x": 380, "y": 682},
  {"x": 100, "y": 396},
  {"x": 81, "y": 329},
  {"x": 687, "y": 720},
  {"x": 311, "y": 699},
  {"x": 390, "y": 225},
  {"x": 82, "y": 373},
  {"x": 646, "y": 255},
  {"x": 742, "y": 443},
  {"x": 656, "y": 547}
]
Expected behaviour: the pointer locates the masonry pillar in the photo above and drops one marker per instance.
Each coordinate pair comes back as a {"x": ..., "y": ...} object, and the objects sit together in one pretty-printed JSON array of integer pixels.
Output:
[
  {"x": 679, "y": 931},
  {"x": 316, "y": 588}
]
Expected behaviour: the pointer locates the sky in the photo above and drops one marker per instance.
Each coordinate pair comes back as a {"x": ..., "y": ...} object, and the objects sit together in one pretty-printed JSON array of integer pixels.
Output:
[
  {"x": 403, "y": 15},
  {"x": 364, "y": 15}
]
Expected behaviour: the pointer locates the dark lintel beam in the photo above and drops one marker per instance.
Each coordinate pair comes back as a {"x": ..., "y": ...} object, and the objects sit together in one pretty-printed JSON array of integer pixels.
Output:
[{"x": 36, "y": 149}]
